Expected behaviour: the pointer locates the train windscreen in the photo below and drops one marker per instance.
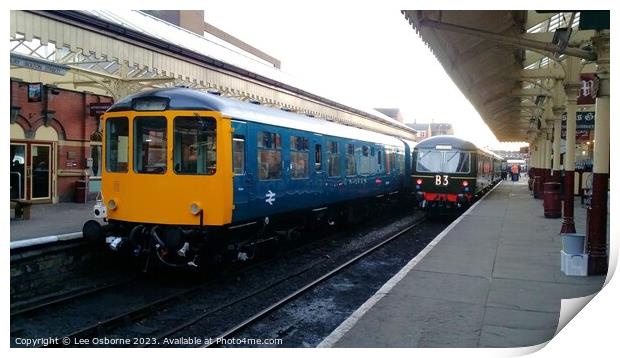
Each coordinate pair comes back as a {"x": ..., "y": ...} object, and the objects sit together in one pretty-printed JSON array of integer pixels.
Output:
[{"x": 435, "y": 161}]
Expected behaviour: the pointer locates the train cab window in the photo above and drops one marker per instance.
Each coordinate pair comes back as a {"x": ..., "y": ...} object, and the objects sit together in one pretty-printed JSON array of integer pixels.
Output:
[
  {"x": 195, "y": 150},
  {"x": 429, "y": 161},
  {"x": 317, "y": 158},
  {"x": 456, "y": 162},
  {"x": 333, "y": 159},
  {"x": 388, "y": 161},
  {"x": 350, "y": 168},
  {"x": 238, "y": 155},
  {"x": 150, "y": 145},
  {"x": 299, "y": 157},
  {"x": 269, "y": 156},
  {"x": 117, "y": 145}
]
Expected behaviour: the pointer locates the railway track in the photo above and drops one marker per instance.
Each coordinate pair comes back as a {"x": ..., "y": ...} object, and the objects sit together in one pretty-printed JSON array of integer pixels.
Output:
[
  {"x": 114, "y": 324},
  {"x": 221, "y": 338},
  {"x": 66, "y": 297}
]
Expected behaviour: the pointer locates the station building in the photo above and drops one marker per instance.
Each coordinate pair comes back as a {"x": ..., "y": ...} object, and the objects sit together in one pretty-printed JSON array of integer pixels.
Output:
[{"x": 68, "y": 67}]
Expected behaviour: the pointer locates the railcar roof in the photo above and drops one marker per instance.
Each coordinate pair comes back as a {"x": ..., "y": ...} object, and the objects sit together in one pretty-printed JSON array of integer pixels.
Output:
[
  {"x": 447, "y": 140},
  {"x": 189, "y": 99}
]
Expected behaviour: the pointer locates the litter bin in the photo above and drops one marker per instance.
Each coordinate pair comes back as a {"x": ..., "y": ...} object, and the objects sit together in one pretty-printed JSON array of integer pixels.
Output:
[
  {"x": 538, "y": 187},
  {"x": 552, "y": 200},
  {"x": 80, "y": 191}
]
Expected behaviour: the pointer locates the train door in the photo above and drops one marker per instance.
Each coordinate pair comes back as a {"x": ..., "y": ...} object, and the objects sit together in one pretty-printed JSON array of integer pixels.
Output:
[
  {"x": 242, "y": 179},
  {"x": 320, "y": 170}
]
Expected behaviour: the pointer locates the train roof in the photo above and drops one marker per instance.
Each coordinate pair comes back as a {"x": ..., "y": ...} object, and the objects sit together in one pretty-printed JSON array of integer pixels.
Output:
[
  {"x": 446, "y": 141},
  {"x": 454, "y": 143},
  {"x": 190, "y": 99}
]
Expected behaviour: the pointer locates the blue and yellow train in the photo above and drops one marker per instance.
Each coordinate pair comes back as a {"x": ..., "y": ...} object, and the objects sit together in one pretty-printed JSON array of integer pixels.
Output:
[
  {"x": 449, "y": 172},
  {"x": 183, "y": 168}
]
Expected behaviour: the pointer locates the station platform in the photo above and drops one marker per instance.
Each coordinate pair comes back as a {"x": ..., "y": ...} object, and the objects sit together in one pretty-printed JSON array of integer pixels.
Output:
[
  {"x": 51, "y": 219},
  {"x": 492, "y": 279}
]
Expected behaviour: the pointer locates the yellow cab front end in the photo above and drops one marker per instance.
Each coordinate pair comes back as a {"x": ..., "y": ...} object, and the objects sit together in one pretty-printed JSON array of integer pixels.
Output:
[{"x": 169, "y": 167}]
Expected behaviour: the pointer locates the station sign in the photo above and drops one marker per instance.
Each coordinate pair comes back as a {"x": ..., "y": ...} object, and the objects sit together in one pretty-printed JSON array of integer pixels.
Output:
[
  {"x": 585, "y": 124},
  {"x": 97, "y": 109},
  {"x": 585, "y": 120},
  {"x": 38, "y": 64}
]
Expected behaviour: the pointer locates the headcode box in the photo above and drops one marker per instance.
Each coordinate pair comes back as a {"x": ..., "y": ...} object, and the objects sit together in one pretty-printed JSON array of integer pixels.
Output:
[{"x": 574, "y": 264}]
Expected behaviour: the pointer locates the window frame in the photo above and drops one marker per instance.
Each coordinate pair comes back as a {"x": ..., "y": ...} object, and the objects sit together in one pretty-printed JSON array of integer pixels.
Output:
[
  {"x": 276, "y": 147},
  {"x": 305, "y": 150},
  {"x": 334, "y": 152},
  {"x": 239, "y": 138},
  {"x": 350, "y": 153}
]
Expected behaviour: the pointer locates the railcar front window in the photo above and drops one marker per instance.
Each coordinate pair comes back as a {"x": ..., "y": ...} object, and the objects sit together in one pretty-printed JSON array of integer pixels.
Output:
[
  {"x": 456, "y": 162},
  {"x": 117, "y": 145},
  {"x": 195, "y": 149},
  {"x": 150, "y": 144},
  {"x": 429, "y": 161}
]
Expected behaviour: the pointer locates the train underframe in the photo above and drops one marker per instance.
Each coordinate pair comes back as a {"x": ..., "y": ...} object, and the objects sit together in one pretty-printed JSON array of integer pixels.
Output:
[
  {"x": 446, "y": 201},
  {"x": 195, "y": 246}
]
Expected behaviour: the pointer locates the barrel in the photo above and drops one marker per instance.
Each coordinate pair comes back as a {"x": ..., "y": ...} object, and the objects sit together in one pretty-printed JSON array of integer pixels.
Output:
[
  {"x": 538, "y": 187},
  {"x": 552, "y": 200}
]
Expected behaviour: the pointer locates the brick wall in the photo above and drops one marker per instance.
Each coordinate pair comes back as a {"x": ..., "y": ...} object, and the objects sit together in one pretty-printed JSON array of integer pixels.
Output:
[{"x": 71, "y": 120}]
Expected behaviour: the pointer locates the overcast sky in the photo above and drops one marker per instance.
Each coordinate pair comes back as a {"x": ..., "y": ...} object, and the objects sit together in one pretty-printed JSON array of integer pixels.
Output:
[{"x": 369, "y": 55}]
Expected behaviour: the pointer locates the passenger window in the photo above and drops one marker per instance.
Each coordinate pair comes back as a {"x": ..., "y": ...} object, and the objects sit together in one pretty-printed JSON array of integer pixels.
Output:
[
  {"x": 238, "y": 155},
  {"x": 364, "y": 159},
  {"x": 299, "y": 157},
  {"x": 350, "y": 160},
  {"x": 194, "y": 145},
  {"x": 269, "y": 156},
  {"x": 317, "y": 158},
  {"x": 333, "y": 159}
]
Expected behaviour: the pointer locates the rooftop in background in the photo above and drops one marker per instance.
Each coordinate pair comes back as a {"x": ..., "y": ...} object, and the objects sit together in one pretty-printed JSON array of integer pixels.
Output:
[
  {"x": 193, "y": 20},
  {"x": 426, "y": 130},
  {"x": 393, "y": 113}
]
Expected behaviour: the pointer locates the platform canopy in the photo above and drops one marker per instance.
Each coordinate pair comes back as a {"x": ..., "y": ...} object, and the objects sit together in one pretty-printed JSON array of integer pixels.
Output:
[
  {"x": 122, "y": 52},
  {"x": 505, "y": 62}
]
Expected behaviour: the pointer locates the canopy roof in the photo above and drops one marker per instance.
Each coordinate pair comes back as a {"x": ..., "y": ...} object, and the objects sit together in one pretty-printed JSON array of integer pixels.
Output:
[{"x": 488, "y": 55}]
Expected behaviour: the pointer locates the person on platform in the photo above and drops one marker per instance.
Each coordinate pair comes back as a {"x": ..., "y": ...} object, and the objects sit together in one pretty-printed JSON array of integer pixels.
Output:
[{"x": 515, "y": 172}]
